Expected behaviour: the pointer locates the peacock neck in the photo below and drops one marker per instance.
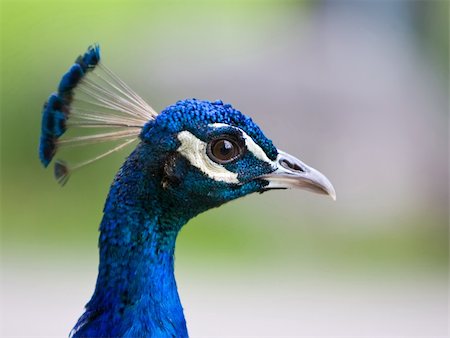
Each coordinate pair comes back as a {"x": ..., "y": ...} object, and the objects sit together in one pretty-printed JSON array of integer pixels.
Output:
[{"x": 136, "y": 293}]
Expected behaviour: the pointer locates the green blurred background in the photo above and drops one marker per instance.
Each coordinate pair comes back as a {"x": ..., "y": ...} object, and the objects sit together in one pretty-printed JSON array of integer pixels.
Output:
[{"x": 357, "y": 89}]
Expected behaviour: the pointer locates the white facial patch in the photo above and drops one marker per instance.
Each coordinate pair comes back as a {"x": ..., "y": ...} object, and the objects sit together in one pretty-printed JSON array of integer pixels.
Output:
[{"x": 194, "y": 150}]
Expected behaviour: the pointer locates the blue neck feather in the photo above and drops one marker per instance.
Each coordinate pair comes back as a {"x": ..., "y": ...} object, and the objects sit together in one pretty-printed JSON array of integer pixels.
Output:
[
  {"x": 136, "y": 293},
  {"x": 154, "y": 194}
]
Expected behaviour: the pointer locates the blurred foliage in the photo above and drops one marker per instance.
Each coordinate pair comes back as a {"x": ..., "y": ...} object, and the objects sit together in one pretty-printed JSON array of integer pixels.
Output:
[{"x": 431, "y": 23}]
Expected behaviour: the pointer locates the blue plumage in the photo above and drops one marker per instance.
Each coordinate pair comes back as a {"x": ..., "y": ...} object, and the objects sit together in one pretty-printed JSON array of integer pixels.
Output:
[
  {"x": 70, "y": 80},
  {"x": 52, "y": 127},
  {"x": 57, "y": 109},
  {"x": 193, "y": 114},
  {"x": 193, "y": 156},
  {"x": 89, "y": 59},
  {"x": 142, "y": 220}
]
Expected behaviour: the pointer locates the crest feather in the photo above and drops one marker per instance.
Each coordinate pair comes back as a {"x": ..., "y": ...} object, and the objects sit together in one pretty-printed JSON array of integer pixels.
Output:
[{"x": 90, "y": 97}]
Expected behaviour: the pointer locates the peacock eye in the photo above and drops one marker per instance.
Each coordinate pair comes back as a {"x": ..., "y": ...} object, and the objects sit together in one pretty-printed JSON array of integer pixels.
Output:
[{"x": 224, "y": 150}]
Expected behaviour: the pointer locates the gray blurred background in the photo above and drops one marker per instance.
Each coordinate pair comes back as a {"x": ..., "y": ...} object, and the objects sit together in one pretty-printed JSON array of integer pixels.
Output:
[{"x": 357, "y": 89}]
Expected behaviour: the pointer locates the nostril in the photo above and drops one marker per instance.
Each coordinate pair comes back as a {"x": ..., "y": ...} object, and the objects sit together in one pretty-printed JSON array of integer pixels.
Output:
[{"x": 290, "y": 165}]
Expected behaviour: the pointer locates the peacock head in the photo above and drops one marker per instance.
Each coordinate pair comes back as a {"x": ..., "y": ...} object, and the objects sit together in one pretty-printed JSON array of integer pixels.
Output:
[
  {"x": 193, "y": 156},
  {"x": 205, "y": 152},
  {"x": 214, "y": 153}
]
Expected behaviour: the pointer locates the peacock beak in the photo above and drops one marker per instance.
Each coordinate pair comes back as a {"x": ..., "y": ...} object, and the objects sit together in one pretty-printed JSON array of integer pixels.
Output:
[{"x": 293, "y": 173}]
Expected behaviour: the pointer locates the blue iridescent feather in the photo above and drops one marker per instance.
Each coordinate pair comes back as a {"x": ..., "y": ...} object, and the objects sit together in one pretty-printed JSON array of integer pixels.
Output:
[
  {"x": 52, "y": 127},
  {"x": 193, "y": 114},
  {"x": 136, "y": 294},
  {"x": 70, "y": 80},
  {"x": 193, "y": 156},
  {"x": 56, "y": 111},
  {"x": 89, "y": 59}
]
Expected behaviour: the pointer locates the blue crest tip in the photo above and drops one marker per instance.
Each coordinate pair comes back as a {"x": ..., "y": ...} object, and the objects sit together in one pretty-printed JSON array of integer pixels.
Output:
[
  {"x": 47, "y": 149},
  {"x": 56, "y": 109},
  {"x": 53, "y": 126},
  {"x": 61, "y": 172},
  {"x": 90, "y": 59},
  {"x": 70, "y": 80}
]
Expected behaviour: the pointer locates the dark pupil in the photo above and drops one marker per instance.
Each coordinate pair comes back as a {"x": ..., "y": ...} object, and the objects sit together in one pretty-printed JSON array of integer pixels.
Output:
[{"x": 223, "y": 150}]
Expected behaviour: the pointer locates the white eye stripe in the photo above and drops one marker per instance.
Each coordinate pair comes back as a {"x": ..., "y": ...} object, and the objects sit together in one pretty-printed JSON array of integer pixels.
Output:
[
  {"x": 251, "y": 145},
  {"x": 256, "y": 149},
  {"x": 194, "y": 150}
]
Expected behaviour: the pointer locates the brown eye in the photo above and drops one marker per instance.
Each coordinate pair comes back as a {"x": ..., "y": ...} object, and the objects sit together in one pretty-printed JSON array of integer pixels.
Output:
[{"x": 223, "y": 150}]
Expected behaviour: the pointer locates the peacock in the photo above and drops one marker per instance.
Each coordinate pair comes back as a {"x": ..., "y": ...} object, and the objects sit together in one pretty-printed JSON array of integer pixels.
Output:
[{"x": 193, "y": 156}]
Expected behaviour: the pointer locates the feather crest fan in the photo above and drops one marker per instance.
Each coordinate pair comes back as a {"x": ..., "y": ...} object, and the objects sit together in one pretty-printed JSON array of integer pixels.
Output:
[{"x": 90, "y": 96}]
